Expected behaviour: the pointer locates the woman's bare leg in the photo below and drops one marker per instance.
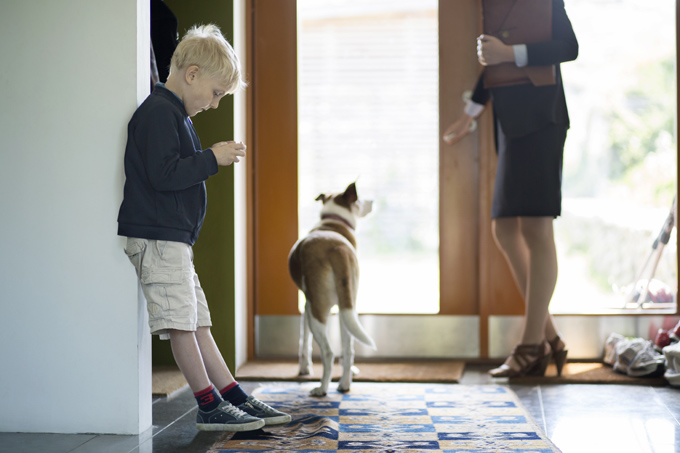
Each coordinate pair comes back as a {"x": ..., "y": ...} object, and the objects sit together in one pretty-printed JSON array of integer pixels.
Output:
[
  {"x": 510, "y": 238},
  {"x": 539, "y": 238}
]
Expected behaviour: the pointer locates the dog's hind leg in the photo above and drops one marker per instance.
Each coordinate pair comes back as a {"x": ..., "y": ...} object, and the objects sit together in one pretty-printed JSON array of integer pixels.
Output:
[
  {"x": 305, "y": 353},
  {"x": 320, "y": 336},
  {"x": 347, "y": 358}
]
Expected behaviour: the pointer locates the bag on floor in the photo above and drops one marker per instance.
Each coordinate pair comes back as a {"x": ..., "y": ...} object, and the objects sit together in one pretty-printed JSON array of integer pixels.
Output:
[
  {"x": 637, "y": 358},
  {"x": 672, "y": 355},
  {"x": 610, "y": 354}
]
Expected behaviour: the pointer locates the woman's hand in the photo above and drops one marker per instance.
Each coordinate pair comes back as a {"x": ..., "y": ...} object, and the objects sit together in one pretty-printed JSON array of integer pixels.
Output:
[
  {"x": 459, "y": 129},
  {"x": 491, "y": 51}
]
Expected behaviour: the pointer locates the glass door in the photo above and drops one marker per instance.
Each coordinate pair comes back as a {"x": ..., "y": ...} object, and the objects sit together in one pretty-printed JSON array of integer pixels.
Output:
[
  {"x": 620, "y": 159},
  {"x": 368, "y": 112},
  {"x": 360, "y": 90}
]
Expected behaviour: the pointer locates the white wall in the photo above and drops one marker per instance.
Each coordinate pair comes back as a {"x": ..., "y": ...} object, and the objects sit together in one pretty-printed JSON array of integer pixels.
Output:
[
  {"x": 240, "y": 200},
  {"x": 74, "y": 347}
]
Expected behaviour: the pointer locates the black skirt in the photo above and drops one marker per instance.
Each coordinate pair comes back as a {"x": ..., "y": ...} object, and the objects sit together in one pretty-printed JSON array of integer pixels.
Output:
[{"x": 529, "y": 173}]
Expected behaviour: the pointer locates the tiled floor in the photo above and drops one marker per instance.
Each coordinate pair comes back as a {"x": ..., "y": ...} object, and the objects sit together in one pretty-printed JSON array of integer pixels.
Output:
[{"x": 578, "y": 419}]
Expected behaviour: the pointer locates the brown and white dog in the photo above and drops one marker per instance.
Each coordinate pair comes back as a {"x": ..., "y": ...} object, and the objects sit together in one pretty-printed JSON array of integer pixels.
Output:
[{"x": 324, "y": 266}]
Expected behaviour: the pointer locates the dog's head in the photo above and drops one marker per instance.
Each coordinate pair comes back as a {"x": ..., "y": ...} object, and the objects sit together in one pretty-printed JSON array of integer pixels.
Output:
[{"x": 345, "y": 205}]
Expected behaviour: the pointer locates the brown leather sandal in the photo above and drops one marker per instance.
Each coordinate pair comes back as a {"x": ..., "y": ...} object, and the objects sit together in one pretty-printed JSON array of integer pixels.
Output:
[
  {"x": 532, "y": 359},
  {"x": 559, "y": 353}
]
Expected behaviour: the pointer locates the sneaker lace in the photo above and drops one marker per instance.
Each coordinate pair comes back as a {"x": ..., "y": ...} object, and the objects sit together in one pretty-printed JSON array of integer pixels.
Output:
[
  {"x": 233, "y": 410},
  {"x": 259, "y": 404}
]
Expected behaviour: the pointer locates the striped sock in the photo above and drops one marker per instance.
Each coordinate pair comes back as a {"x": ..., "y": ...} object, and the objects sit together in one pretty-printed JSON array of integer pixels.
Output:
[
  {"x": 208, "y": 399},
  {"x": 234, "y": 394}
]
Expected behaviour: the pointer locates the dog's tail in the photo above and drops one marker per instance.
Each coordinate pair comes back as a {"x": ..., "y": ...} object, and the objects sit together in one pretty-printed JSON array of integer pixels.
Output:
[{"x": 350, "y": 319}]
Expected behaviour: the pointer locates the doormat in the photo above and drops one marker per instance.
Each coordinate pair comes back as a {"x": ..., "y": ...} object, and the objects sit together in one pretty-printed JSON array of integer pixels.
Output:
[
  {"x": 394, "y": 418},
  {"x": 166, "y": 381},
  {"x": 588, "y": 373},
  {"x": 433, "y": 371}
]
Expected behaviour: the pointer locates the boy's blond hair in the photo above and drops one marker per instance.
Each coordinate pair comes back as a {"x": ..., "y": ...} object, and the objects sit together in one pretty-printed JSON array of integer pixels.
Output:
[{"x": 205, "y": 47}]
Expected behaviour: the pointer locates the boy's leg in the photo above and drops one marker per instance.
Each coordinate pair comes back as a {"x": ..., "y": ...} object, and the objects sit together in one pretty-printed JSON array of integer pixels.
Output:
[
  {"x": 187, "y": 354},
  {"x": 214, "y": 365},
  {"x": 219, "y": 373},
  {"x": 165, "y": 269},
  {"x": 214, "y": 414}
]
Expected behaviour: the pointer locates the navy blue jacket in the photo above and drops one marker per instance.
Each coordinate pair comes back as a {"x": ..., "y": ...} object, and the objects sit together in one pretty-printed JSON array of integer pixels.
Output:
[{"x": 164, "y": 196}]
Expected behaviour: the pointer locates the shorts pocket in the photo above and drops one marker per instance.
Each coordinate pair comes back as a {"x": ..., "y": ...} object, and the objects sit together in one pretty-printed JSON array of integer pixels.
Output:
[
  {"x": 161, "y": 276},
  {"x": 161, "y": 287},
  {"x": 134, "y": 247}
]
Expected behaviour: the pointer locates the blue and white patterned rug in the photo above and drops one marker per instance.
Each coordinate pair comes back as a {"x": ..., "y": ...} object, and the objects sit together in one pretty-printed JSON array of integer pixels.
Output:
[{"x": 394, "y": 418}]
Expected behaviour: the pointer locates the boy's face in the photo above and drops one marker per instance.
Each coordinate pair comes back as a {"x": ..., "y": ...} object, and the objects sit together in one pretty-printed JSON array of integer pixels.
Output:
[{"x": 202, "y": 93}]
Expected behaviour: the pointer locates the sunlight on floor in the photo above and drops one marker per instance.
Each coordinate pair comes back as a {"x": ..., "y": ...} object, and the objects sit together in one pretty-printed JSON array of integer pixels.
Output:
[{"x": 624, "y": 434}]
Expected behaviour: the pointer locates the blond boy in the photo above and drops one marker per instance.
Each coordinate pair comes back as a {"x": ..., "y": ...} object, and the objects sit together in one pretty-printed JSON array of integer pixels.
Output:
[{"x": 162, "y": 212}]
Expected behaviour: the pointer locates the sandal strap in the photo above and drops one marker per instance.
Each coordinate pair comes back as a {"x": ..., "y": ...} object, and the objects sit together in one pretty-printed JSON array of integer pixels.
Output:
[
  {"x": 556, "y": 344},
  {"x": 526, "y": 354}
]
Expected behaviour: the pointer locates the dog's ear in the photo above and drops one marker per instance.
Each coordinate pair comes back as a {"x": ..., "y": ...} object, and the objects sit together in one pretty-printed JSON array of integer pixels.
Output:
[
  {"x": 322, "y": 197},
  {"x": 350, "y": 194}
]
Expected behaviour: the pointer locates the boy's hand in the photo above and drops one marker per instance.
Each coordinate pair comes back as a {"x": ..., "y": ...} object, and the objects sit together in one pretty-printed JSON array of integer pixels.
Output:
[{"x": 226, "y": 153}]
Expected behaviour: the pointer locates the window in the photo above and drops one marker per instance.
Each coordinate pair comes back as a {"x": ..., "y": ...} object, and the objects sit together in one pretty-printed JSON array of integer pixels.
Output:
[{"x": 620, "y": 156}]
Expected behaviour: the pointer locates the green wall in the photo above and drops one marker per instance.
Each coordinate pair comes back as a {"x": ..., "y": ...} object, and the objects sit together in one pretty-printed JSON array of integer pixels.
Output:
[{"x": 214, "y": 250}]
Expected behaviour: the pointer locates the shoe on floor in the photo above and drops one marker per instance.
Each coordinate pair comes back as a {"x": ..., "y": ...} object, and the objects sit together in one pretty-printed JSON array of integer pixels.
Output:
[
  {"x": 258, "y": 409},
  {"x": 226, "y": 417}
]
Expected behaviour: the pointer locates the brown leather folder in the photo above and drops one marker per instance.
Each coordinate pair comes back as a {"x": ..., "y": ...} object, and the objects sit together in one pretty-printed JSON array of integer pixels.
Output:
[{"x": 518, "y": 22}]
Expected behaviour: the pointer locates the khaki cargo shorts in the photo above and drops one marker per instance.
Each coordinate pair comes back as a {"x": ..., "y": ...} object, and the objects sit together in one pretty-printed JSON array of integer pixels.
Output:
[{"x": 174, "y": 297}]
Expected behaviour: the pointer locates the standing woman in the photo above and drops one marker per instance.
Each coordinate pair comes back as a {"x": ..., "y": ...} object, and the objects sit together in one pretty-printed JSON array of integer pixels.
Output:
[{"x": 531, "y": 125}]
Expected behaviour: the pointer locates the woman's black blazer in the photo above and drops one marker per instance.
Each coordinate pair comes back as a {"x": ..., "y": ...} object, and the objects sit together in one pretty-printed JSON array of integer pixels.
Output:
[{"x": 522, "y": 109}]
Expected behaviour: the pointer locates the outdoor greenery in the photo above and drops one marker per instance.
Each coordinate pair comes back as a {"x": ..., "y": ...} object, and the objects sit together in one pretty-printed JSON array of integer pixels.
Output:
[{"x": 642, "y": 145}]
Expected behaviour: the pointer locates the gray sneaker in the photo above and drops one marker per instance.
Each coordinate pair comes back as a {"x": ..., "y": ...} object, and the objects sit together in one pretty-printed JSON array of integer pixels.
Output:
[
  {"x": 258, "y": 409},
  {"x": 226, "y": 417}
]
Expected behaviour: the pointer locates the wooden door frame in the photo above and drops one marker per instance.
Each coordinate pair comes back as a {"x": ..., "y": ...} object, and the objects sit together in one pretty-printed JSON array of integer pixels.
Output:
[
  {"x": 477, "y": 279},
  {"x": 470, "y": 259},
  {"x": 272, "y": 168},
  {"x": 272, "y": 165}
]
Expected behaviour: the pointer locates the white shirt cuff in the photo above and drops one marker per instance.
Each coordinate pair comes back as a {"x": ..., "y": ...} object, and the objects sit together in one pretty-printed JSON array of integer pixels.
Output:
[
  {"x": 521, "y": 55},
  {"x": 473, "y": 109}
]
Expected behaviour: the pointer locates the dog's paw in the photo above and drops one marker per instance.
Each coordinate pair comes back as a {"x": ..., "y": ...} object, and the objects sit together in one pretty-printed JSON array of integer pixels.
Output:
[
  {"x": 344, "y": 384},
  {"x": 305, "y": 369},
  {"x": 355, "y": 370},
  {"x": 318, "y": 392}
]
